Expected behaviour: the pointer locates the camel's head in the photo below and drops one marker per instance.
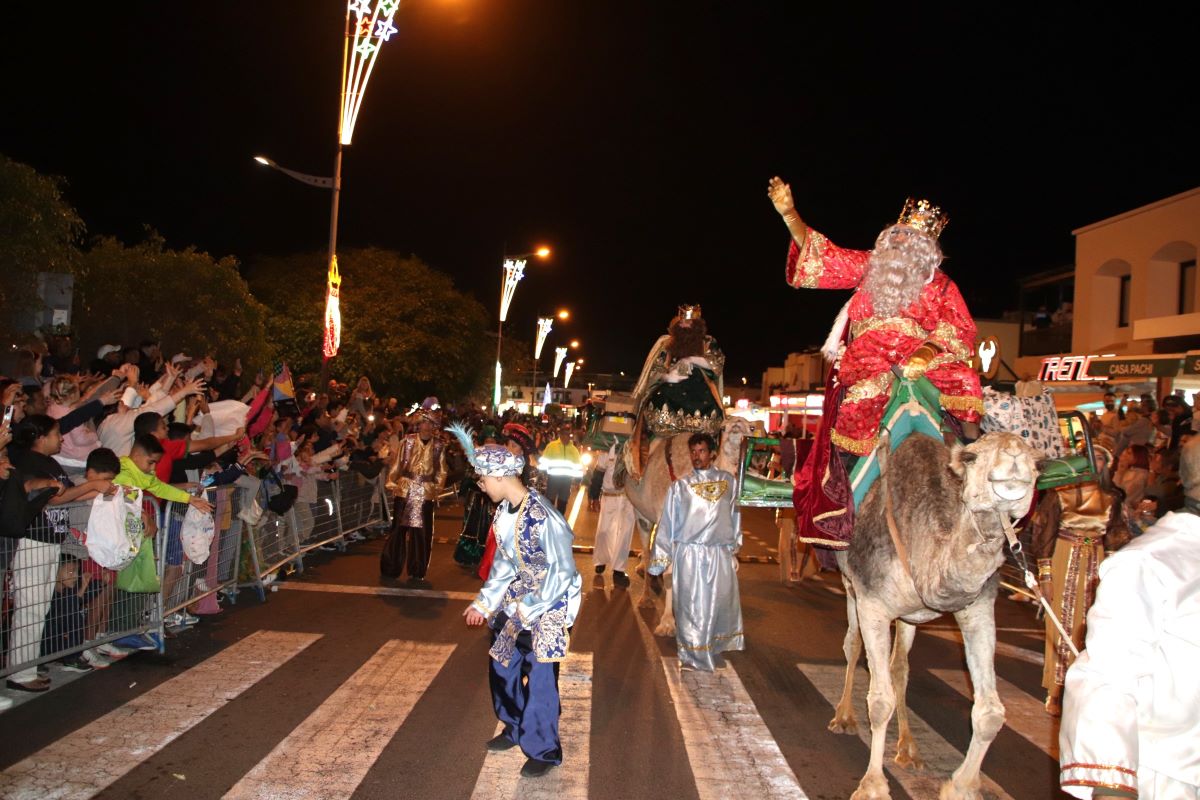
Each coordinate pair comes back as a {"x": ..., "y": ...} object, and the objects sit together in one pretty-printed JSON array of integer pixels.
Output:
[
  {"x": 999, "y": 472},
  {"x": 733, "y": 433}
]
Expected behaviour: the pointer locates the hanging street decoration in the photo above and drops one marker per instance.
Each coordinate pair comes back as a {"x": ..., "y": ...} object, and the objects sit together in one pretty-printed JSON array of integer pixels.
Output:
[
  {"x": 333, "y": 313},
  {"x": 567, "y": 376},
  {"x": 514, "y": 270},
  {"x": 372, "y": 24},
  {"x": 543, "y": 330},
  {"x": 560, "y": 353}
]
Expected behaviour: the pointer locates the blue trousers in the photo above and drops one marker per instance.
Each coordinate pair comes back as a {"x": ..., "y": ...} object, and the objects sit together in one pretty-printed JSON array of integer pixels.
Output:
[{"x": 525, "y": 696}]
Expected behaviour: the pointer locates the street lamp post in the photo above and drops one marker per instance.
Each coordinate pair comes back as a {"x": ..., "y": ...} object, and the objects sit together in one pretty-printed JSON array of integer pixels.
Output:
[{"x": 368, "y": 25}]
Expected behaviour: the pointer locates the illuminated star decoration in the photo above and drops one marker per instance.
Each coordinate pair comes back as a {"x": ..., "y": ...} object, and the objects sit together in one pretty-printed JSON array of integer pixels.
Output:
[
  {"x": 514, "y": 270},
  {"x": 373, "y": 26},
  {"x": 543, "y": 330},
  {"x": 567, "y": 376},
  {"x": 559, "y": 354}
]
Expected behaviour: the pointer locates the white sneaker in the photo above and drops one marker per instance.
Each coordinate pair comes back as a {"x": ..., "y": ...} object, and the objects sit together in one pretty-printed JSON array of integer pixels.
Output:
[
  {"x": 94, "y": 660},
  {"x": 179, "y": 620},
  {"x": 111, "y": 651},
  {"x": 189, "y": 619}
]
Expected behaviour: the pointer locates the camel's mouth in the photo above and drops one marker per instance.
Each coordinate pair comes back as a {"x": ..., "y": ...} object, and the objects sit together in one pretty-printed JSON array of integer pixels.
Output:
[{"x": 1010, "y": 490}]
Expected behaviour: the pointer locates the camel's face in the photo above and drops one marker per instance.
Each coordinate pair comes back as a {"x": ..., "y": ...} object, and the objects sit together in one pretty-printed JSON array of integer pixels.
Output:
[
  {"x": 735, "y": 430},
  {"x": 998, "y": 472}
]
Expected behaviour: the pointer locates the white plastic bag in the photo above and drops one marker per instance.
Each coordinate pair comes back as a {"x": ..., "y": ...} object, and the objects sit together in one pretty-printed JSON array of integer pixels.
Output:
[
  {"x": 197, "y": 533},
  {"x": 114, "y": 529}
]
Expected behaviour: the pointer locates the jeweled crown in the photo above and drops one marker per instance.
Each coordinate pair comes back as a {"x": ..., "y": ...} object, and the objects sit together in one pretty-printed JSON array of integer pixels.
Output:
[
  {"x": 923, "y": 216},
  {"x": 689, "y": 312}
]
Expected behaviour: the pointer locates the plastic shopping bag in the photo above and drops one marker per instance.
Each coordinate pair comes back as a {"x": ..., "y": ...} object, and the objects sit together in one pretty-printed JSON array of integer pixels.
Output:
[
  {"x": 197, "y": 534},
  {"x": 142, "y": 574},
  {"x": 114, "y": 528}
]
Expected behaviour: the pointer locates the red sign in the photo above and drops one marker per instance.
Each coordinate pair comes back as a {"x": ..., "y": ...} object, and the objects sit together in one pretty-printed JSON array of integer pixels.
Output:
[{"x": 1066, "y": 368}]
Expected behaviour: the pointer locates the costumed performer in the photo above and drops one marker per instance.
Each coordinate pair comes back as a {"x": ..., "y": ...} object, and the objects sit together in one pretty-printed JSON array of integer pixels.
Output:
[
  {"x": 905, "y": 313},
  {"x": 416, "y": 477},
  {"x": 614, "y": 528},
  {"x": 699, "y": 535},
  {"x": 1129, "y": 725},
  {"x": 530, "y": 602}
]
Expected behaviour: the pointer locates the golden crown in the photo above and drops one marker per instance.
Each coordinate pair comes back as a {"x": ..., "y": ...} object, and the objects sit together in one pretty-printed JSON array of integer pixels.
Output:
[
  {"x": 689, "y": 312},
  {"x": 923, "y": 216}
]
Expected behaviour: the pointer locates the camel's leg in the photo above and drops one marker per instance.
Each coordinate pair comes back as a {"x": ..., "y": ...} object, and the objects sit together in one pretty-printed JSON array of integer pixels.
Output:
[
  {"x": 843, "y": 714},
  {"x": 646, "y": 598},
  {"x": 666, "y": 625},
  {"x": 875, "y": 626},
  {"x": 978, "y": 625},
  {"x": 906, "y": 747}
]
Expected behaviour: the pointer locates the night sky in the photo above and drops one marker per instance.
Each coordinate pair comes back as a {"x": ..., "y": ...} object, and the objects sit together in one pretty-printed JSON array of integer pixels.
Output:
[{"x": 636, "y": 138}]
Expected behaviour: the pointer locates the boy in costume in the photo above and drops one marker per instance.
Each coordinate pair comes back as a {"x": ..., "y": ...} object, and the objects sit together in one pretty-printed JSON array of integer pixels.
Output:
[{"x": 530, "y": 601}]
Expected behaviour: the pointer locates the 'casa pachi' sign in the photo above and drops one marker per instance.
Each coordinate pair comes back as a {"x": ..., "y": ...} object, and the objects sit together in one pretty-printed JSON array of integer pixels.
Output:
[
  {"x": 1134, "y": 367},
  {"x": 1067, "y": 368}
]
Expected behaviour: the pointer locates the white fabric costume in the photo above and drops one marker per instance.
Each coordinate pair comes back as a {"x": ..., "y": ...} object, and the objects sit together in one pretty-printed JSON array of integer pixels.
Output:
[
  {"x": 614, "y": 529},
  {"x": 1131, "y": 712}
]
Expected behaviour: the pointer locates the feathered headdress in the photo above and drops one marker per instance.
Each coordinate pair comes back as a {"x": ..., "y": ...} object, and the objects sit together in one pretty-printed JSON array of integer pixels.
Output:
[{"x": 491, "y": 459}]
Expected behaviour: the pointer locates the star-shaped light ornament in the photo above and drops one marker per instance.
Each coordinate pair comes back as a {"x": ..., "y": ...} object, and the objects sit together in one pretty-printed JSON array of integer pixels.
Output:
[
  {"x": 362, "y": 8},
  {"x": 388, "y": 7},
  {"x": 384, "y": 29},
  {"x": 367, "y": 48}
]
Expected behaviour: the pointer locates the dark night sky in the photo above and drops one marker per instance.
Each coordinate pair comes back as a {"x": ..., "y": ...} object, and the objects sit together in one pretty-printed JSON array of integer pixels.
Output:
[{"x": 635, "y": 137}]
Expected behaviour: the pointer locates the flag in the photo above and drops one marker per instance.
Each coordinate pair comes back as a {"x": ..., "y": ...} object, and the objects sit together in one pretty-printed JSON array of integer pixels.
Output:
[{"x": 282, "y": 385}]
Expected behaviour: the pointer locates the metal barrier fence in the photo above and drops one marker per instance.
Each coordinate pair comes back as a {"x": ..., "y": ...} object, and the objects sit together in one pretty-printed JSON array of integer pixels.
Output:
[{"x": 56, "y": 602}]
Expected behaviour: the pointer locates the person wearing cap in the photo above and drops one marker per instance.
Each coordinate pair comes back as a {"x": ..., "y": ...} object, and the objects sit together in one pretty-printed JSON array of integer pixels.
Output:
[
  {"x": 108, "y": 358},
  {"x": 1069, "y": 529},
  {"x": 417, "y": 475},
  {"x": 1129, "y": 725},
  {"x": 529, "y": 602}
]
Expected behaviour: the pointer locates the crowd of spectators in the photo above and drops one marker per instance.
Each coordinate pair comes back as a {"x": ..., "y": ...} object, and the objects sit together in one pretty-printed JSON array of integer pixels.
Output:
[
  {"x": 74, "y": 429},
  {"x": 1145, "y": 439}
]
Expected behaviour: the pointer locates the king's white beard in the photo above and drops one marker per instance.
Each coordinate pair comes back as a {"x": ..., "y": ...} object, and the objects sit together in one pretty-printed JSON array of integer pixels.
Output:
[{"x": 898, "y": 270}]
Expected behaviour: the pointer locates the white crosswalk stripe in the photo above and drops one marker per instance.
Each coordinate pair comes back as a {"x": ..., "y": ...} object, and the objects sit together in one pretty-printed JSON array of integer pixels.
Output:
[
  {"x": 328, "y": 754},
  {"x": 1022, "y": 713},
  {"x": 501, "y": 778},
  {"x": 732, "y": 753},
  {"x": 1002, "y": 648},
  {"x": 941, "y": 758},
  {"x": 81, "y": 764}
]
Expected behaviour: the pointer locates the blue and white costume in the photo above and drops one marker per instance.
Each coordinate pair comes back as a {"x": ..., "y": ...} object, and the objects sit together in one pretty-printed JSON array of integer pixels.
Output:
[{"x": 530, "y": 599}]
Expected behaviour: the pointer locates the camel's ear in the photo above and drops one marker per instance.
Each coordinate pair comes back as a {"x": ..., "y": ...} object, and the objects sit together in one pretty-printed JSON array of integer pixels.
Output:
[{"x": 959, "y": 458}]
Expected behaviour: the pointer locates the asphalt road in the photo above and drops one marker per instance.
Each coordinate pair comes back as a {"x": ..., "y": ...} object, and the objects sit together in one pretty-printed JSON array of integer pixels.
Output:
[{"x": 343, "y": 684}]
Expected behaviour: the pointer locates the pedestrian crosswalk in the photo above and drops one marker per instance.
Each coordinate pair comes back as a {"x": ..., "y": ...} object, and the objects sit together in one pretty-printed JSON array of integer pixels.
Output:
[{"x": 722, "y": 737}]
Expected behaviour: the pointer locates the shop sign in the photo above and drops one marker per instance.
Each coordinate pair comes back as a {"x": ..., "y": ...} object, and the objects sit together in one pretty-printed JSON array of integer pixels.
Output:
[
  {"x": 1066, "y": 368},
  {"x": 1134, "y": 368},
  {"x": 987, "y": 357}
]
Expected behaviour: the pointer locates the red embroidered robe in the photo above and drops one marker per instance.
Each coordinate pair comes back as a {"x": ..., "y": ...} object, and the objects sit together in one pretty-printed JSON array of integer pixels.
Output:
[{"x": 939, "y": 315}]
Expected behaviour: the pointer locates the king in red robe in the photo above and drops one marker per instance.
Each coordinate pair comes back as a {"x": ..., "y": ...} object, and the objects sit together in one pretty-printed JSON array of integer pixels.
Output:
[{"x": 905, "y": 313}]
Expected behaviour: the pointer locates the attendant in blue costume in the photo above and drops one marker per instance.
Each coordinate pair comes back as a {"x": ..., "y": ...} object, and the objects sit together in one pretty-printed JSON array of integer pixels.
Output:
[
  {"x": 700, "y": 532},
  {"x": 529, "y": 601}
]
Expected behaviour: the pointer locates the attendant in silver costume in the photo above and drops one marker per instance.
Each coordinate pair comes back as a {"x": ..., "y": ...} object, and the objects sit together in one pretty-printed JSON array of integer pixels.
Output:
[{"x": 699, "y": 534}]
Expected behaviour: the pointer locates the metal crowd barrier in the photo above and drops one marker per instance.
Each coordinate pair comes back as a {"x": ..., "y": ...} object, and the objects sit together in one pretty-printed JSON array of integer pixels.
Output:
[{"x": 55, "y": 602}]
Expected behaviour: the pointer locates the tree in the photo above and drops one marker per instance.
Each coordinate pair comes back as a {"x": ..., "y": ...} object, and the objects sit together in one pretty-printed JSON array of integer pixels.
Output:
[
  {"x": 404, "y": 325},
  {"x": 39, "y": 232},
  {"x": 185, "y": 298}
]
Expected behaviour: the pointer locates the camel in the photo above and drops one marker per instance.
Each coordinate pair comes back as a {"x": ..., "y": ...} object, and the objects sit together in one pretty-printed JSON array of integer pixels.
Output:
[
  {"x": 648, "y": 495},
  {"x": 939, "y": 553}
]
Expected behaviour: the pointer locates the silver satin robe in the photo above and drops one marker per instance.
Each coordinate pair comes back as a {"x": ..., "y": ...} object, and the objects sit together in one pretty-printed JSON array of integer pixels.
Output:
[{"x": 699, "y": 532}]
